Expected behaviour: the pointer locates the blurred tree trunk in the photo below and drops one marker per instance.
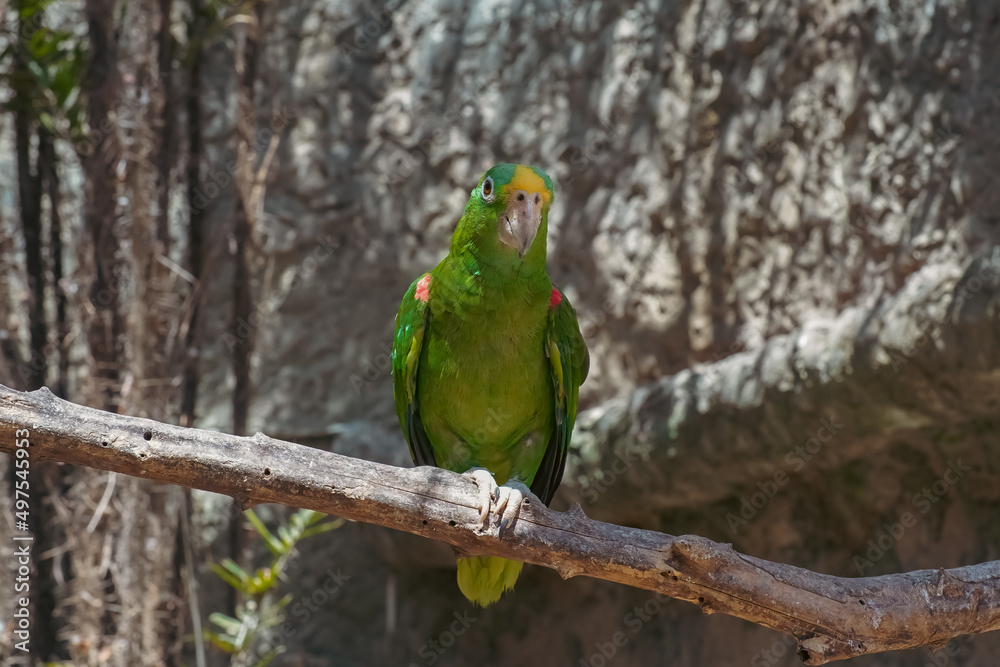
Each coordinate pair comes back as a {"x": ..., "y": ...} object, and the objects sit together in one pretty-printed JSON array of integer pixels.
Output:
[
  {"x": 190, "y": 324},
  {"x": 49, "y": 529},
  {"x": 156, "y": 306},
  {"x": 97, "y": 625},
  {"x": 29, "y": 189},
  {"x": 190, "y": 328},
  {"x": 10, "y": 357},
  {"x": 48, "y": 170},
  {"x": 145, "y": 577},
  {"x": 165, "y": 126},
  {"x": 29, "y": 186},
  {"x": 243, "y": 222},
  {"x": 106, "y": 326},
  {"x": 243, "y": 219},
  {"x": 32, "y": 179},
  {"x": 125, "y": 545}
]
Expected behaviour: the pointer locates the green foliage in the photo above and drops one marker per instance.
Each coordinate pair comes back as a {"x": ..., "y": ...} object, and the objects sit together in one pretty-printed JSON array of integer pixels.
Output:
[
  {"x": 261, "y": 609},
  {"x": 45, "y": 67}
]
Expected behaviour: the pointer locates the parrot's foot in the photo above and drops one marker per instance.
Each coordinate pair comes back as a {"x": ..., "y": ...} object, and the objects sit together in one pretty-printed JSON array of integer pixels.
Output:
[{"x": 498, "y": 505}]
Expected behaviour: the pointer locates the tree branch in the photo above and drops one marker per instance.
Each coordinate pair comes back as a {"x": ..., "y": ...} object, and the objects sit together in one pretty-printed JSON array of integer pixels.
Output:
[{"x": 833, "y": 618}]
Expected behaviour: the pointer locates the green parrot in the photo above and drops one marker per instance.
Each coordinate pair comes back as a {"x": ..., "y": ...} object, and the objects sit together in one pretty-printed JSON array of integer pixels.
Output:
[{"x": 488, "y": 359}]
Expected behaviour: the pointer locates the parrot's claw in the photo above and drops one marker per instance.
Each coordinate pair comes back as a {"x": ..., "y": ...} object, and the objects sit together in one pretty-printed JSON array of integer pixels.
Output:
[
  {"x": 487, "y": 490},
  {"x": 512, "y": 495},
  {"x": 499, "y": 505}
]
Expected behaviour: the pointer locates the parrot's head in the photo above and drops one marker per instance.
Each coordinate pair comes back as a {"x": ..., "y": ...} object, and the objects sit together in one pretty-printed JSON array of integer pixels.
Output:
[{"x": 507, "y": 212}]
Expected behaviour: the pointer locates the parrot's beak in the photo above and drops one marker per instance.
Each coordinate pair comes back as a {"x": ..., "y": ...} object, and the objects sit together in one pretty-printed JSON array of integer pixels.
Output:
[{"x": 519, "y": 223}]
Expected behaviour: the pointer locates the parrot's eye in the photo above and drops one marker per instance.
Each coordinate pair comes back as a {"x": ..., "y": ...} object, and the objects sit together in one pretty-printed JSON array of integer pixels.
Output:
[{"x": 487, "y": 188}]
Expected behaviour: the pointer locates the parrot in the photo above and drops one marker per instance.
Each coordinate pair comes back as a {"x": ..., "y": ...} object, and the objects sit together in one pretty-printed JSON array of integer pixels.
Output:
[{"x": 487, "y": 362}]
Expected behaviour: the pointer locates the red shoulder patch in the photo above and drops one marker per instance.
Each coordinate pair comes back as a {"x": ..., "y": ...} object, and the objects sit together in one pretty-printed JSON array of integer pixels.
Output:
[
  {"x": 423, "y": 288},
  {"x": 556, "y": 299}
]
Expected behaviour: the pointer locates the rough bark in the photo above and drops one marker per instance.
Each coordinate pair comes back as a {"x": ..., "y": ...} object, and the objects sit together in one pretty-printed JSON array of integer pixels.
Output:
[
  {"x": 50, "y": 174},
  {"x": 106, "y": 325},
  {"x": 244, "y": 217},
  {"x": 832, "y": 617},
  {"x": 31, "y": 225},
  {"x": 165, "y": 150},
  {"x": 29, "y": 188},
  {"x": 195, "y": 206},
  {"x": 33, "y": 176},
  {"x": 10, "y": 355},
  {"x": 115, "y": 559},
  {"x": 142, "y": 515},
  {"x": 154, "y": 306}
]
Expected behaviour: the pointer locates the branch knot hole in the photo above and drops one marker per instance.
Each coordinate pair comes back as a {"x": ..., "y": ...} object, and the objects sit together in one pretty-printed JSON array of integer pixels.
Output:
[{"x": 148, "y": 435}]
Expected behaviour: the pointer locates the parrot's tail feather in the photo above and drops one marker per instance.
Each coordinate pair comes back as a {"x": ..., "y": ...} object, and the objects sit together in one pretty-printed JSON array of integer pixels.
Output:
[{"x": 483, "y": 579}]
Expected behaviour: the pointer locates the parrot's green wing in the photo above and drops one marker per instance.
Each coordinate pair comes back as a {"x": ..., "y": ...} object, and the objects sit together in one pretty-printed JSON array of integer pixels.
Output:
[
  {"x": 411, "y": 322},
  {"x": 569, "y": 362}
]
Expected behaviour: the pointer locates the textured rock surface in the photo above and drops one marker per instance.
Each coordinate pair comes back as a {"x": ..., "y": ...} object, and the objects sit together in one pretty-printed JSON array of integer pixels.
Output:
[
  {"x": 728, "y": 174},
  {"x": 725, "y": 172}
]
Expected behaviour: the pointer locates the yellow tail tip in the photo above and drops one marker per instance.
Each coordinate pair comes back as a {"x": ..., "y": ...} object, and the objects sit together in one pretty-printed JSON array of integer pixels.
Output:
[{"x": 483, "y": 579}]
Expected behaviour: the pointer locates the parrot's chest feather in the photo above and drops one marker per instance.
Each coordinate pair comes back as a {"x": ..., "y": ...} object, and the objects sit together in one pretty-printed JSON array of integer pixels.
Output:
[{"x": 484, "y": 388}]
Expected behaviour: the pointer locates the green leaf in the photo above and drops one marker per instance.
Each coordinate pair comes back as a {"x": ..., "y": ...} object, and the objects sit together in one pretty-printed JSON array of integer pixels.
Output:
[
  {"x": 237, "y": 581},
  {"x": 322, "y": 528},
  {"x": 65, "y": 81},
  {"x": 262, "y": 581},
  {"x": 227, "y": 623},
  {"x": 30, "y": 8},
  {"x": 238, "y": 571},
  {"x": 42, "y": 43},
  {"x": 262, "y": 611},
  {"x": 220, "y": 641},
  {"x": 48, "y": 122},
  {"x": 40, "y": 74},
  {"x": 273, "y": 544},
  {"x": 314, "y": 517}
]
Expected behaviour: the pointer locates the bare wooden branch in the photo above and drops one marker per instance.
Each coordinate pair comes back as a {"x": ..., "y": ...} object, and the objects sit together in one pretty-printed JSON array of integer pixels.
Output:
[{"x": 833, "y": 618}]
